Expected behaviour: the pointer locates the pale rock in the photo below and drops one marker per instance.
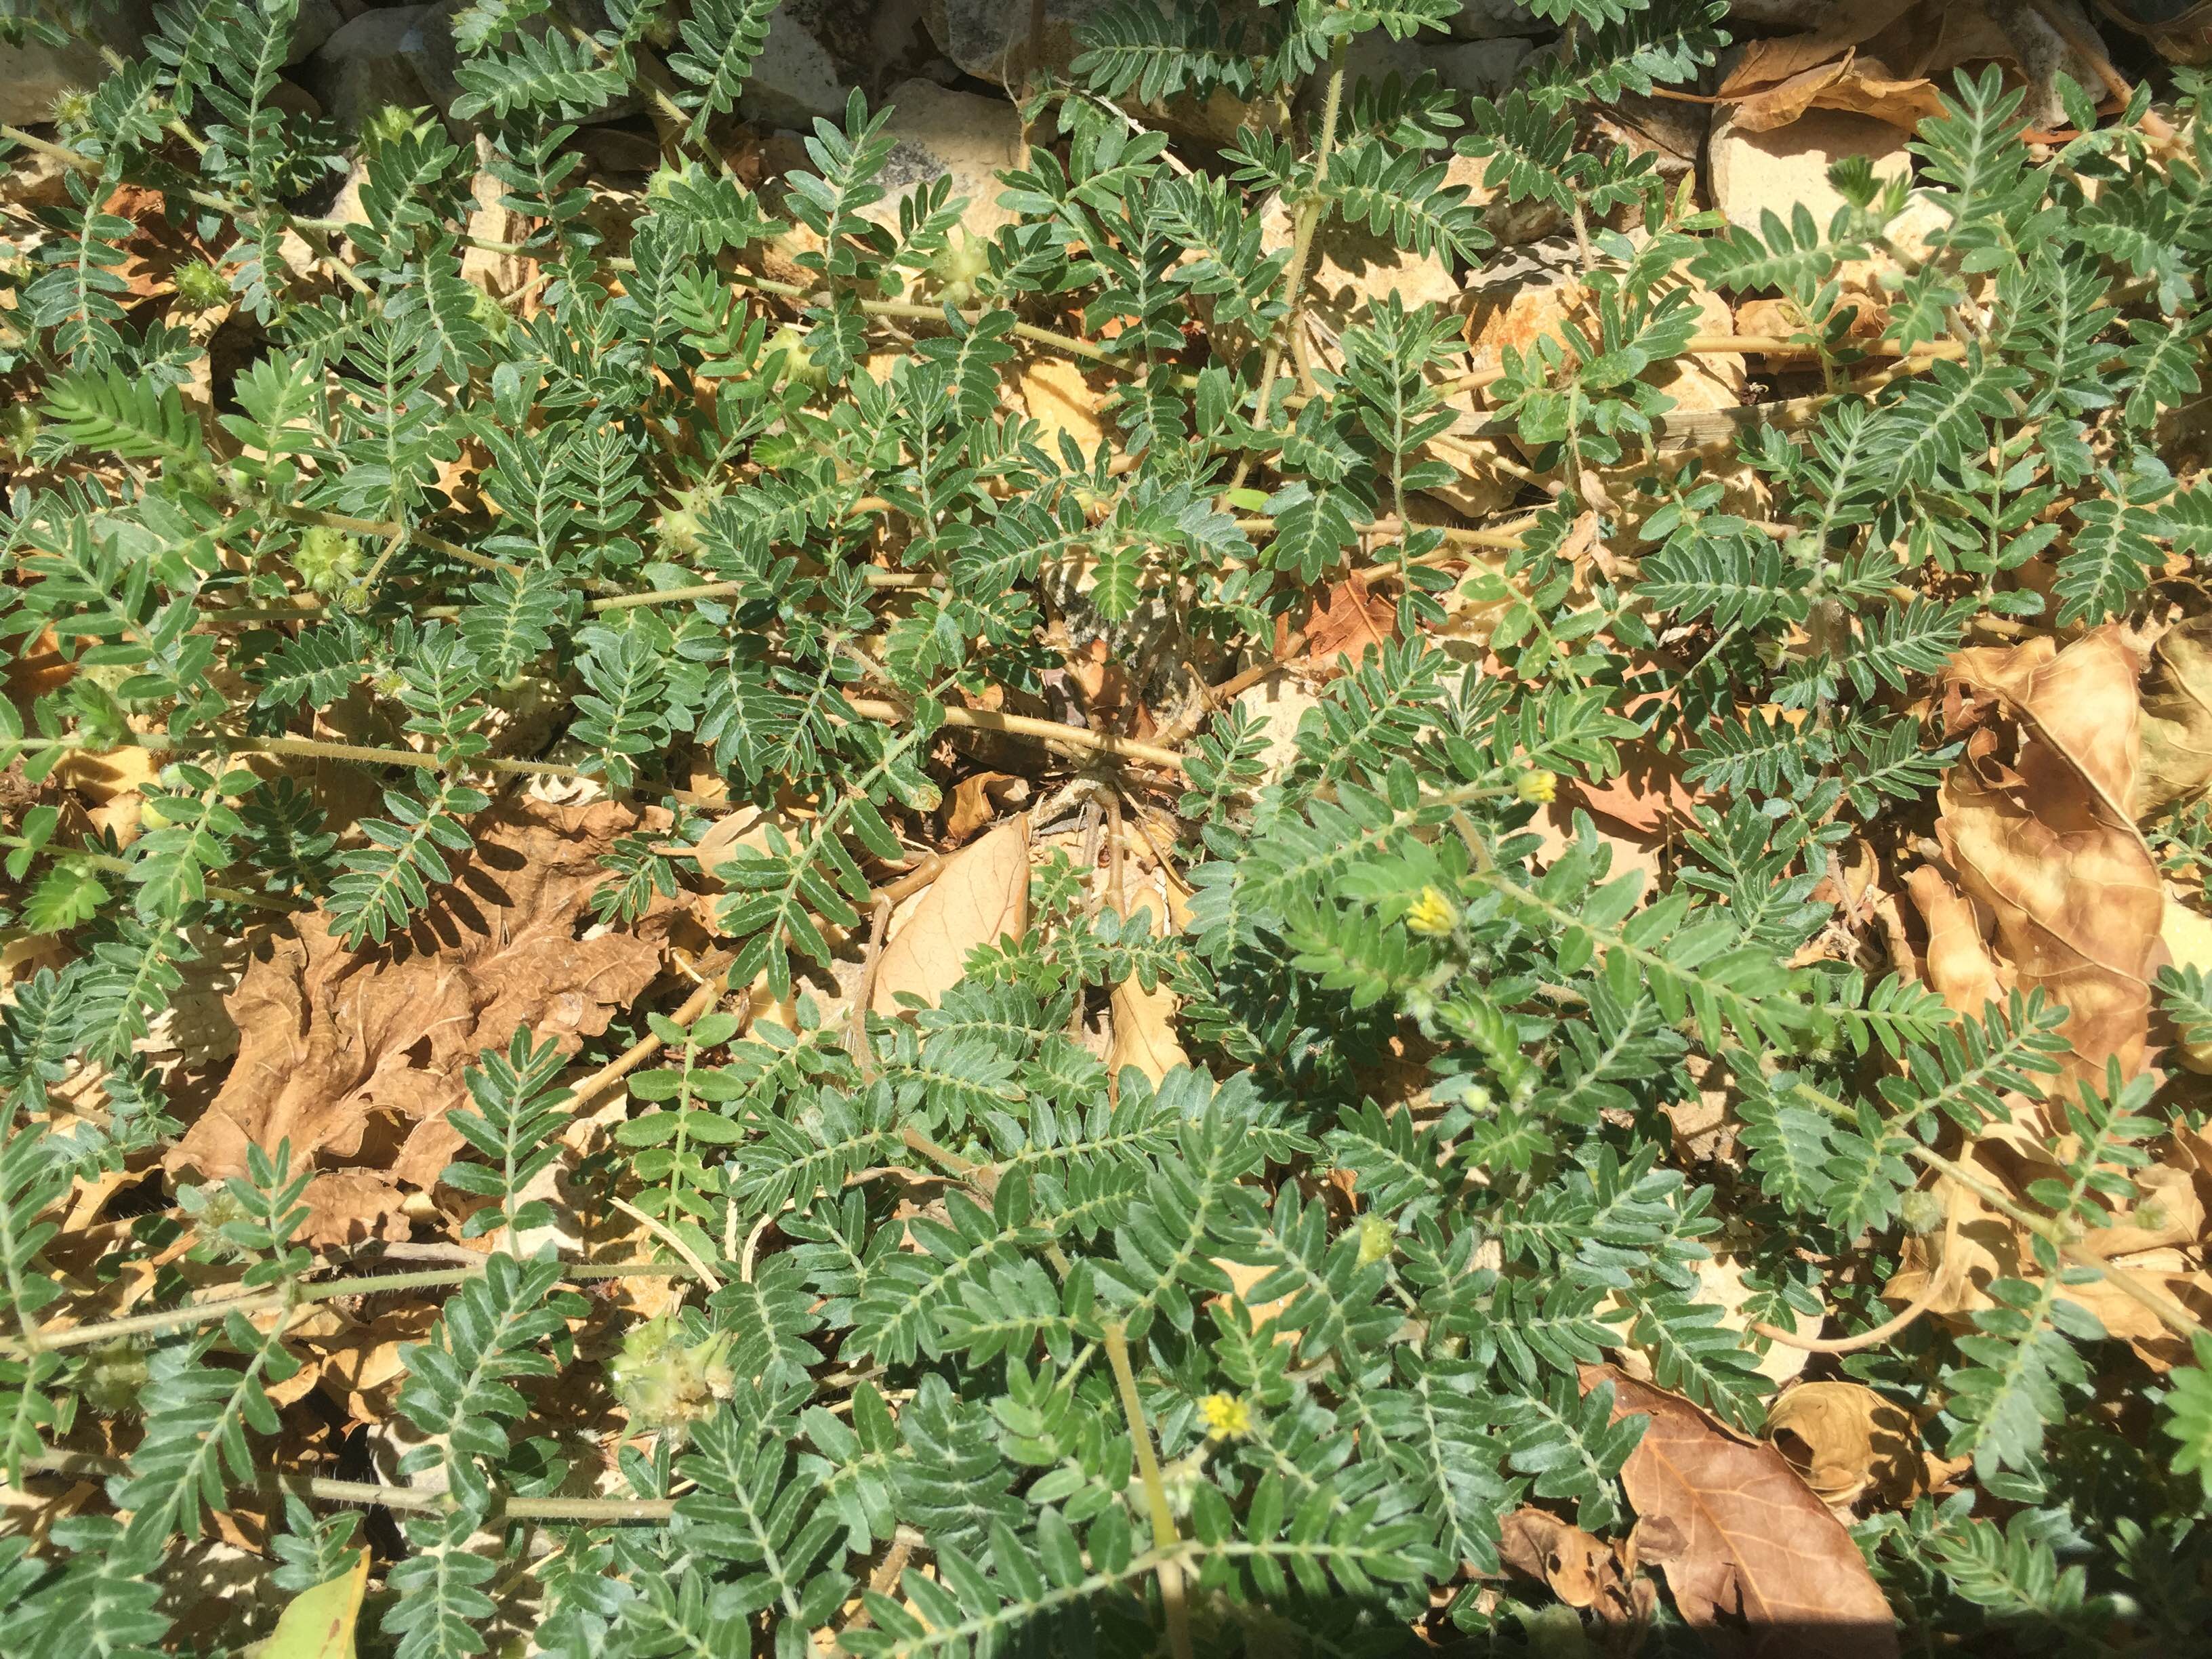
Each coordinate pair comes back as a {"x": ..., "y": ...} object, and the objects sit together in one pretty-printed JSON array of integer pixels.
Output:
[
  {"x": 32, "y": 76},
  {"x": 317, "y": 20},
  {"x": 1486, "y": 20},
  {"x": 402, "y": 55},
  {"x": 936, "y": 132},
  {"x": 801, "y": 72},
  {"x": 991, "y": 39},
  {"x": 1486, "y": 66},
  {"x": 34, "y": 181},
  {"x": 1673, "y": 133},
  {"x": 1751, "y": 172},
  {"x": 1278, "y": 704},
  {"x": 1520, "y": 298},
  {"x": 1350, "y": 269},
  {"x": 1707, "y": 380}
]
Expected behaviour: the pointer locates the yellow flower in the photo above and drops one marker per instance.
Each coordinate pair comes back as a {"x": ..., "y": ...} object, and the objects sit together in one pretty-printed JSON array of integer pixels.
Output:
[
  {"x": 1432, "y": 913},
  {"x": 1227, "y": 1417},
  {"x": 1537, "y": 786}
]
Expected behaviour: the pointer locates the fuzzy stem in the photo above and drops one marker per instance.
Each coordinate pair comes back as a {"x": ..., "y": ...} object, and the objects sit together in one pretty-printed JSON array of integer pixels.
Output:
[
  {"x": 124, "y": 866},
  {"x": 581, "y": 1511},
  {"x": 1156, "y": 1493},
  {"x": 200, "y": 1313}
]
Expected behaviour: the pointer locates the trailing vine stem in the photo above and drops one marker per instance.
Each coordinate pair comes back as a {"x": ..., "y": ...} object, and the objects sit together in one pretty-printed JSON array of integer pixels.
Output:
[{"x": 53, "y": 1336}]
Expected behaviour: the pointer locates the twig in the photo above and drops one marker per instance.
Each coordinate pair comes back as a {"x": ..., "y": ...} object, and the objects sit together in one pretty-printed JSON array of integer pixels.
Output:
[
  {"x": 200, "y": 1313},
  {"x": 649, "y": 1045},
  {"x": 584, "y": 1512},
  {"x": 856, "y": 1024},
  {"x": 1024, "y": 726},
  {"x": 2170, "y": 1312},
  {"x": 2091, "y": 51},
  {"x": 1889, "y": 1328},
  {"x": 668, "y": 1236}
]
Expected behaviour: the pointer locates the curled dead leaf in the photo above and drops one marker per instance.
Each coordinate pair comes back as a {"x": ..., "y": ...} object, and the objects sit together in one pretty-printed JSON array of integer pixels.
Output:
[
  {"x": 1583, "y": 1571},
  {"x": 1757, "y": 1549},
  {"x": 2177, "y": 715},
  {"x": 978, "y": 798},
  {"x": 1845, "y": 1440}
]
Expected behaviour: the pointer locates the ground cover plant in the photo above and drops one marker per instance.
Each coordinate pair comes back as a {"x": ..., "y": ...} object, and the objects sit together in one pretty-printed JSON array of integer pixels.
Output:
[{"x": 1328, "y": 878}]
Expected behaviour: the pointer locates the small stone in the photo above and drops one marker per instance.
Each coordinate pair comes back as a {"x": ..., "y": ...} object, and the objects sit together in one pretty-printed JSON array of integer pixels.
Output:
[
  {"x": 1780, "y": 168},
  {"x": 801, "y": 72},
  {"x": 1350, "y": 269},
  {"x": 1671, "y": 133},
  {"x": 32, "y": 76},
  {"x": 1488, "y": 20},
  {"x": 296, "y": 101},
  {"x": 991, "y": 40},
  {"x": 1485, "y": 67},
  {"x": 402, "y": 55},
  {"x": 935, "y": 132},
  {"x": 317, "y": 20},
  {"x": 617, "y": 149}
]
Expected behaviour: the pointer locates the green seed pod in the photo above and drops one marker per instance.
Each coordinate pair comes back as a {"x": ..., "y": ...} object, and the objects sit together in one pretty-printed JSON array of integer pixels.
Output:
[
  {"x": 1378, "y": 1239},
  {"x": 327, "y": 559},
  {"x": 115, "y": 1375},
  {"x": 1922, "y": 1210},
  {"x": 958, "y": 266},
  {"x": 799, "y": 363},
  {"x": 201, "y": 286}
]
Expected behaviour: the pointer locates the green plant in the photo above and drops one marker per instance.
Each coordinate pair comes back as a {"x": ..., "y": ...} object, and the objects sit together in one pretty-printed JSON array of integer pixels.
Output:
[{"x": 995, "y": 1349}]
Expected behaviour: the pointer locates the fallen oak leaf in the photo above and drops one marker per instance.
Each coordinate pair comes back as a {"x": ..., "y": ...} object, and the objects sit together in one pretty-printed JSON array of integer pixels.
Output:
[
  {"x": 978, "y": 798},
  {"x": 355, "y": 1056},
  {"x": 1144, "y": 1021},
  {"x": 318, "y": 1622},
  {"x": 1757, "y": 1546},
  {"x": 1957, "y": 964},
  {"x": 1583, "y": 1571}
]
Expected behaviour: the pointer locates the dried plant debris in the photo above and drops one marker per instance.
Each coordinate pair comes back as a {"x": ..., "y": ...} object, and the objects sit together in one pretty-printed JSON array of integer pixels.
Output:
[{"x": 1126, "y": 828}]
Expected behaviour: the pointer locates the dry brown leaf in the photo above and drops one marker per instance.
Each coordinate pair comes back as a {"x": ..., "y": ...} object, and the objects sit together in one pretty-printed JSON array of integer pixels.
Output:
[
  {"x": 1144, "y": 1021},
  {"x": 1539, "y": 1545},
  {"x": 978, "y": 798},
  {"x": 1721, "y": 1284},
  {"x": 1582, "y": 1570},
  {"x": 2034, "y": 816},
  {"x": 1845, "y": 1439},
  {"x": 980, "y": 897},
  {"x": 1878, "y": 57},
  {"x": 355, "y": 1056},
  {"x": 2177, "y": 718},
  {"x": 1348, "y": 621},
  {"x": 1958, "y": 964},
  {"x": 1757, "y": 1549}
]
